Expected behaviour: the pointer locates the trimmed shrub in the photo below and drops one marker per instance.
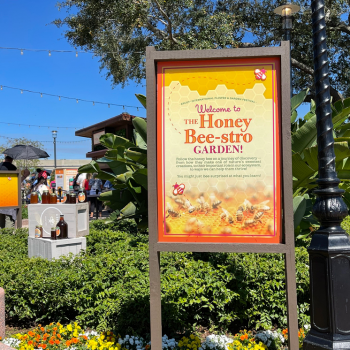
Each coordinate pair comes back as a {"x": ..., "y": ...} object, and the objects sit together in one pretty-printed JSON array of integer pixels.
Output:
[{"x": 107, "y": 287}]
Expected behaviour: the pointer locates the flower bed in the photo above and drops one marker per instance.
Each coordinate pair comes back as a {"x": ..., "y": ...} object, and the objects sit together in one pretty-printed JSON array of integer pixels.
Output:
[{"x": 72, "y": 337}]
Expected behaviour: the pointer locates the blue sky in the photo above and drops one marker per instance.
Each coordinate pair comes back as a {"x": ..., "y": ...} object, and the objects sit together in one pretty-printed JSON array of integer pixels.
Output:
[{"x": 26, "y": 24}]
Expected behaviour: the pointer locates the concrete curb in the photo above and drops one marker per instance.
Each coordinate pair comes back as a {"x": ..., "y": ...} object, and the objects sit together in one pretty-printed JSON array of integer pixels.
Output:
[{"x": 2, "y": 313}]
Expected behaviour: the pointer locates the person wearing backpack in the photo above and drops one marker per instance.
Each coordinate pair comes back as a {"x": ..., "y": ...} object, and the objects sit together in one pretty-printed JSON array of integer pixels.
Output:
[{"x": 95, "y": 187}]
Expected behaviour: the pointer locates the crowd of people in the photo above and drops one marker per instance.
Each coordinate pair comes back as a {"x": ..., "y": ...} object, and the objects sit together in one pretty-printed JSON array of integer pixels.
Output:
[{"x": 41, "y": 180}]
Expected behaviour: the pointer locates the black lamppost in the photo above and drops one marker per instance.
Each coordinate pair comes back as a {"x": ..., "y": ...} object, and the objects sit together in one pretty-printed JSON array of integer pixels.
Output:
[
  {"x": 54, "y": 135},
  {"x": 286, "y": 11},
  {"x": 329, "y": 250}
]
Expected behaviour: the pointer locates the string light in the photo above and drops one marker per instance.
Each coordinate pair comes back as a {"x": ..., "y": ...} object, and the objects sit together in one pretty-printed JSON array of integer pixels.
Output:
[
  {"x": 60, "y": 51},
  {"x": 21, "y": 91},
  {"x": 44, "y": 126},
  {"x": 68, "y": 98},
  {"x": 109, "y": 106},
  {"x": 11, "y": 138}
]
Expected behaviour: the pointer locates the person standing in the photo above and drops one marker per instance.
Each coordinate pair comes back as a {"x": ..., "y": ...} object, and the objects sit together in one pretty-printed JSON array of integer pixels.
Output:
[
  {"x": 8, "y": 216},
  {"x": 95, "y": 187}
]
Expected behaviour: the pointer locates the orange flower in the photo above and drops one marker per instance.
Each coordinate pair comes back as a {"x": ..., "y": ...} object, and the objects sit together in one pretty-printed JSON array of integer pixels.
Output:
[
  {"x": 246, "y": 336},
  {"x": 30, "y": 342},
  {"x": 30, "y": 333},
  {"x": 242, "y": 337},
  {"x": 57, "y": 342},
  {"x": 299, "y": 334},
  {"x": 252, "y": 340},
  {"x": 43, "y": 346},
  {"x": 51, "y": 324},
  {"x": 68, "y": 342},
  {"x": 59, "y": 335},
  {"x": 51, "y": 342},
  {"x": 85, "y": 337},
  {"x": 285, "y": 331},
  {"x": 58, "y": 324},
  {"x": 147, "y": 347},
  {"x": 75, "y": 340},
  {"x": 54, "y": 333},
  {"x": 55, "y": 329},
  {"x": 42, "y": 329}
]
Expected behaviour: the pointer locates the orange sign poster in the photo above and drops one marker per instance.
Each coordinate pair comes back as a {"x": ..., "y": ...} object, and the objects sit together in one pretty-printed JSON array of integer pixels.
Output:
[
  {"x": 218, "y": 151},
  {"x": 9, "y": 190}
]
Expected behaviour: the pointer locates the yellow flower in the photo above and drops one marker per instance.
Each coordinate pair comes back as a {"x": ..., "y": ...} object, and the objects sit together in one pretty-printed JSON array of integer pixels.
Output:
[{"x": 69, "y": 327}]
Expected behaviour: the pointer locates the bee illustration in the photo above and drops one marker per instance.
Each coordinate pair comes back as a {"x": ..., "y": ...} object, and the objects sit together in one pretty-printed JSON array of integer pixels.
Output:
[
  {"x": 262, "y": 205},
  {"x": 249, "y": 222},
  {"x": 226, "y": 216},
  {"x": 171, "y": 212},
  {"x": 269, "y": 226},
  {"x": 258, "y": 215},
  {"x": 249, "y": 206},
  {"x": 178, "y": 189},
  {"x": 203, "y": 205},
  {"x": 185, "y": 204},
  {"x": 214, "y": 201},
  {"x": 200, "y": 226},
  {"x": 167, "y": 227},
  {"x": 239, "y": 214},
  {"x": 226, "y": 230},
  {"x": 260, "y": 74}
]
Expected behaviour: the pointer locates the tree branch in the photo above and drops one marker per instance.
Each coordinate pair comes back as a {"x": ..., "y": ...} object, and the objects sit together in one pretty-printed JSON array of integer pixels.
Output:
[
  {"x": 303, "y": 67},
  {"x": 169, "y": 25},
  {"x": 157, "y": 32},
  {"x": 342, "y": 27}
]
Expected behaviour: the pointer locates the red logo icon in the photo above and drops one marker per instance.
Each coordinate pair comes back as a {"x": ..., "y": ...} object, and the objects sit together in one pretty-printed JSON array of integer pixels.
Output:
[
  {"x": 9, "y": 178},
  {"x": 178, "y": 189},
  {"x": 260, "y": 74}
]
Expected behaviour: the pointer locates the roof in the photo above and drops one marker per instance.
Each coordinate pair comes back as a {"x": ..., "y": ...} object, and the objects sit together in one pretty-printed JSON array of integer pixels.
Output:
[{"x": 121, "y": 119}]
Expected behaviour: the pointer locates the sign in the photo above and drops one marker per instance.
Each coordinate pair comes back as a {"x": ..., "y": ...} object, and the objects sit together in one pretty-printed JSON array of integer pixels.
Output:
[
  {"x": 59, "y": 176},
  {"x": 218, "y": 150},
  {"x": 219, "y": 160},
  {"x": 97, "y": 135},
  {"x": 9, "y": 190}
]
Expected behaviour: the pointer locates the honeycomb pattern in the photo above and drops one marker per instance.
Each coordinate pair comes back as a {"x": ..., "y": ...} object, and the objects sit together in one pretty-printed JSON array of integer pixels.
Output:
[
  {"x": 239, "y": 78},
  {"x": 223, "y": 219},
  {"x": 241, "y": 181}
]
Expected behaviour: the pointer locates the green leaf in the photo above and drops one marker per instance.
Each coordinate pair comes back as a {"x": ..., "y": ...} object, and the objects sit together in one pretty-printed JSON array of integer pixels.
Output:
[
  {"x": 298, "y": 99},
  {"x": 138, "y": 155},
  {"x": 338, "y": 106},
  {"x": 142, "y": 99},
  {"x": 112, "y": 141},
  {"x": 128, "y": 210},
  {"x": 301, "y": 171},
  {"x": 140, "y": 176},
  {"x": 139, "y": 140},
  {"x": 141, "y": 127},
  {"x": 310, "y": 156},
  {"x": 294, "y": 116},
  {"x": 92, "y": 167},
  {"x": 299, "y": 206},
  {"x": 304, "y": 136},
  {"x": 312, "y": 106}
]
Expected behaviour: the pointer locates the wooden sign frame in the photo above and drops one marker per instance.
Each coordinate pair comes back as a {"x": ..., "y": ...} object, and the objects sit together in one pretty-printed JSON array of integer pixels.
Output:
[
  {"x": 286, "y": 247},
  {"x": 19, "y": 194}
]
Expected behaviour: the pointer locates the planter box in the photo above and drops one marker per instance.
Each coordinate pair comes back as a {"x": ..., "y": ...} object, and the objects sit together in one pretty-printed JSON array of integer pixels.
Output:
[
  {"x": 48, "y": 215},
  {"x": 48, "y": 249}
]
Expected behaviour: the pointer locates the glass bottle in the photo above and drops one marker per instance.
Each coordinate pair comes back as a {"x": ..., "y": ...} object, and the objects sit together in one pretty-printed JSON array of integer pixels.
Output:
[
  {"x": 34, "y": 198},
  {"x": 53, "y": 233},
  {"x": 62, "y": 228},
  {"x": 53, "y": 198},
  {"x": 38, "y": 231},
  {"x": 67, "y": 197},
  {"x": 82, "y": 198},
  {"x": 73, "y": 198},
  {"x": 45, "y": 198}
]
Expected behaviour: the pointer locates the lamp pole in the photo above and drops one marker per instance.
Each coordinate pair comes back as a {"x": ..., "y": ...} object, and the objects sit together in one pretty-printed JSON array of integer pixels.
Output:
[
  {"x": 329, "y": 251},
  {"x": 286, "y": 11},
  {"x": 54, "y": 135}
]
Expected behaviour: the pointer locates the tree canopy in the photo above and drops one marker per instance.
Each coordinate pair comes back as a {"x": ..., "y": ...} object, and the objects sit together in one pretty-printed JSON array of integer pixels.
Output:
[
  {"x": 119, "y": 31},
  {"x": 22, "y": 163}
]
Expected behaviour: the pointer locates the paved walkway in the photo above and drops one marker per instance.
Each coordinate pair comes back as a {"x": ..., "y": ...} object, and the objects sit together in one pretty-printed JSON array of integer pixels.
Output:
[{"x": 5, "y": 347}]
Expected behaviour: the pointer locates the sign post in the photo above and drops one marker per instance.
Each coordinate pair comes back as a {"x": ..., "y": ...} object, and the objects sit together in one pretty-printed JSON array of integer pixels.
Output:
[
  {"x": 10, "y": 197},
  {"x": 219, "y": 160}
]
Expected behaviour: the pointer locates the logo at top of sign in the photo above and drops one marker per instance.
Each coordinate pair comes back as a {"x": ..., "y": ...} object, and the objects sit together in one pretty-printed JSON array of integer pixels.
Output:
[
  {"x": 178, "y": 189},
  {"x": 260, "y": 74},
  {"x": 9, "y": 178}
]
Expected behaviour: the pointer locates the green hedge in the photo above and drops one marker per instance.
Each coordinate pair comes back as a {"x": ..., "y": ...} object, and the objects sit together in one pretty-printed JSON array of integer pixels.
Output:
[{"x": 107, "y": 287}]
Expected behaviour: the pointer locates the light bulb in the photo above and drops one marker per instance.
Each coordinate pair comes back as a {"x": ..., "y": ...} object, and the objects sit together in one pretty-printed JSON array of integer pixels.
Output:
[
  {"x": 109, "y": 106},
  {"x": 21, "y": 91},
  {"x": 286, "y": 11},
  {"x": 21, "y": 52},
  {"x": 1, "y": 87},
  {"x": 76, "y": 53},
  {"x": 49, "y": 53},
  {"x": 123, "y": 107},
  {"x": 77, "y": 101},
  {"x": 59, "y": 98},
  {"x": 93, "y": 103},
  {"x": 137, "y": 108},
  {"x": 41, "y": 95}
]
